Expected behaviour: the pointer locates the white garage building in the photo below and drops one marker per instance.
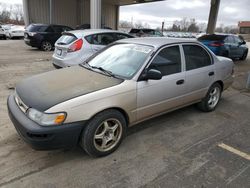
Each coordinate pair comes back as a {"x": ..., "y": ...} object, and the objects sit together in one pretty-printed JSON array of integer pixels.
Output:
[{"x": 97, "y": 13}]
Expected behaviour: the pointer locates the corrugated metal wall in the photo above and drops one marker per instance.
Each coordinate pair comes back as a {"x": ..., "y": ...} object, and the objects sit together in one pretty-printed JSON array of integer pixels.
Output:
[
  {"x": 109, "y": 15},
  {"x": 84, "y": 12},
  {"x": 65, "y": 12},
  {"x": 38, "y": 11},
  {"x": 69, "y": 12}
]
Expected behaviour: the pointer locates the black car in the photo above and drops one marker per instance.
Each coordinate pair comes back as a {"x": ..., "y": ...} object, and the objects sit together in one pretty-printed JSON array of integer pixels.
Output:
[
  {"x": 145, "y": 33},
  {"x": 44, "y": 36}
]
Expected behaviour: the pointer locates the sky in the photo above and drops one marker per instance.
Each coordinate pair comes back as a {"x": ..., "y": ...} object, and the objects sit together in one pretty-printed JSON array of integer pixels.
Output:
[
  {"x": 11, "y": 1},
  {"x": 231, "y": 11}
]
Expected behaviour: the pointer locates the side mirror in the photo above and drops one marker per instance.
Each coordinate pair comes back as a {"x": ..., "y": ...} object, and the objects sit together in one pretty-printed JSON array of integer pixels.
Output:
[{"x": 152, "y": 74}]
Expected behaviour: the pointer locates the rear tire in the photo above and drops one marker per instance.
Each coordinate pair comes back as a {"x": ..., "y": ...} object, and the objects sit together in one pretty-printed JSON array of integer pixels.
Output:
[
  {"x": 46, "y": 46},
  {"x": 212, "y": 98},
  {"x": 104, "y": 133},
  {"x": 244, "y": 56}
]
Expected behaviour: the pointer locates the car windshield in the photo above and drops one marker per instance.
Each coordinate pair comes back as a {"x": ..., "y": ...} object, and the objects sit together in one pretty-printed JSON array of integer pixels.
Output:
[{"x": 122, "y": 60}]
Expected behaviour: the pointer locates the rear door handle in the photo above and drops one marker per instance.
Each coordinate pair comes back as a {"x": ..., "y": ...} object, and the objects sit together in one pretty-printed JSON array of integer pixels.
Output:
[
  {"x": 179, "y": 82},
  {"x": 211, "y": 73}
]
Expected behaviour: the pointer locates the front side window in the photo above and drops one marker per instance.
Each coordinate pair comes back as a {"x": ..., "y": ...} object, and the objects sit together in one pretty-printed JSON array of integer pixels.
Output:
[
  {"x": 167, "y": 61},
  {"x": 123, "y": 60},
  {"x": 122, "y": 36},
  {"x": 196, "y": 57}
]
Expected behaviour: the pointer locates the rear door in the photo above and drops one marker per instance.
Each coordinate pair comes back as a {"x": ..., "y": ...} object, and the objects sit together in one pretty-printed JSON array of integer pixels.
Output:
[
  {"x": 200, "y": 71},
  {"x": 157, "y": 96}
]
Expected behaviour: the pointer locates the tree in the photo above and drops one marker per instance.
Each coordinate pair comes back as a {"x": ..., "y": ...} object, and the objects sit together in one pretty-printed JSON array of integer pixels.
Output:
[
  {"x": 193, "y": 27},
  {"x": 138, "y": 25},
  {"x": 11, "y": 13}
]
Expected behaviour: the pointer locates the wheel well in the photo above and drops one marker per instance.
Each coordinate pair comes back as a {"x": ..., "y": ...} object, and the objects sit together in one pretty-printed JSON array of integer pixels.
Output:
[
  {"x": 123, "y": 112},
  {"x": 221, "y": 84}
]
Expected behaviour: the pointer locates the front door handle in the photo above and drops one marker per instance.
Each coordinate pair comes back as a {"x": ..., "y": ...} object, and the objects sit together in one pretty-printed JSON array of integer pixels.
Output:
[
  {"x": 179, "y": 82},
  {"x": 211, "y": 73}
]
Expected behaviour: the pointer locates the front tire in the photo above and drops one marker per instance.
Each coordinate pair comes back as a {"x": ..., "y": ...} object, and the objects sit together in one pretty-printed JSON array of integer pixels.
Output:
[
  {"x": 212, "y": 98},
  {"x": 104, "y": 133},
  {"x": 244, "y": 56}
]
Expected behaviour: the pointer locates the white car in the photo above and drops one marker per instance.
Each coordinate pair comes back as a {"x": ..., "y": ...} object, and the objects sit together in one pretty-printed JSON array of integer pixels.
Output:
[
  {"x": 15, "y": 32},
  {"x": 2, "y": 33},
  {"x": 74, "y": 47}
]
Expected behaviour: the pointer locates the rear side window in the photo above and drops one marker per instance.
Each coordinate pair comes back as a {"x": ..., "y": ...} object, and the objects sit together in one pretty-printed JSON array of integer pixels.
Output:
[
  {"x": 196, "y": 57},
  {"x": 66, "y": 39},
  {"x": 212, "y": 37},
  {"x": 167, "y": 61},
  {"x": 229, "y": 40},
  {"x": 58, "y": 29},
  {"x": 37, "y": 28},
  {"x": 101, "y": 39}
]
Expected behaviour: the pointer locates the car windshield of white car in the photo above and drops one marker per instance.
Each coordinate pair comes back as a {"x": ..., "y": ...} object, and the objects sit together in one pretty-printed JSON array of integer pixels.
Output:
[{"x": 123, "y": 60}]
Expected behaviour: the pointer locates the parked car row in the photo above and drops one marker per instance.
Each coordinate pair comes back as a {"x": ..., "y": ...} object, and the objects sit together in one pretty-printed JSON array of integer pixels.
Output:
[
  {"x": 72, "y": 47},
  {"x": 11, "y": 31}
]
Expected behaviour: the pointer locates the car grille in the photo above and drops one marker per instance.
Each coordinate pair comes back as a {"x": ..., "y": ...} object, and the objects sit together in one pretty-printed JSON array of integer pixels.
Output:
[{"x": 21, "y": 104}]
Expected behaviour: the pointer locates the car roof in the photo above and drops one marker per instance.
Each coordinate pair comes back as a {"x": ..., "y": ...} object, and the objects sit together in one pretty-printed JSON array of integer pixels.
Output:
[
  {"x": 85, "y": 32},
  {"x": 157, "y": 41}
]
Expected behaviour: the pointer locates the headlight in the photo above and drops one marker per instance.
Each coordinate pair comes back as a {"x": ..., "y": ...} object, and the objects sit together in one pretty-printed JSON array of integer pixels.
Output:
[
  {"x": 32, "y": 34},
  {"x": 46, "y": 119}
]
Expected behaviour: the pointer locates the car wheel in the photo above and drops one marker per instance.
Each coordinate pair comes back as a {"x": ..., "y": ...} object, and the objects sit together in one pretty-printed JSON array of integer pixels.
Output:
[
  {"x": 212, "y": 98},
  {"x": 56, "y": 66},
  {"x": 46, "y": 46},
  {"x": 244, "y": 56},
  {"x": 103, "y": 133}
]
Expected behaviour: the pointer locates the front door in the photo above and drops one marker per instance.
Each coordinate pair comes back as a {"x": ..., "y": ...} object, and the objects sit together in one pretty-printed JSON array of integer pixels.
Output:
[{"x": 157, "y": 96}]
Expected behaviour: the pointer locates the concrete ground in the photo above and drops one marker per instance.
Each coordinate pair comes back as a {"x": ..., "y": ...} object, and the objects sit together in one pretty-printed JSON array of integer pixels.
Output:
[{"x": 180, "y": 149}]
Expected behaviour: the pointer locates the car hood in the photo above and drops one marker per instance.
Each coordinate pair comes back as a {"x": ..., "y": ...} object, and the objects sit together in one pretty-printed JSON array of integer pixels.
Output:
[{"x": 48, "y": 89}]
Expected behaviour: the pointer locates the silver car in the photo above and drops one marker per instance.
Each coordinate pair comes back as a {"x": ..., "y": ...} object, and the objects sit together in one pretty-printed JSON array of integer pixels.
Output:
[
  {"x": 74, "y": 47},
  {"x": 130, "y": 81}
]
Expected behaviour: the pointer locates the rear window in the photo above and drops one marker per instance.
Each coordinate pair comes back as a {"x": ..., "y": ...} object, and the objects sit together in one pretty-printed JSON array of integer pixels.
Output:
[
  {"x": 212, "y": 37},
  {"x": 37, "y": 28},
  {"x": 66, "y": 39}
]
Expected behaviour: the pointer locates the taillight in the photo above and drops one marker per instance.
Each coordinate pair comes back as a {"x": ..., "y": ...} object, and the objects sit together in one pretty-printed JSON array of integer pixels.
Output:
[
  {"x": 77, "y": 45},
  {"x": 216, "y": 44}
]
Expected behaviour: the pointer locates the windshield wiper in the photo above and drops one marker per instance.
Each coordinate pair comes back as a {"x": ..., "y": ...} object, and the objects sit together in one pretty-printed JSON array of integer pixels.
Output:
[
  {"x": 88, "y": 66},
  {"x": 103, "y": 70}
]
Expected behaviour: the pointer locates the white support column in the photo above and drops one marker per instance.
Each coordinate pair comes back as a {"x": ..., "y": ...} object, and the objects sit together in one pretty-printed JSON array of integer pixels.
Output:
[
  {"x": 26, "y": 13},
  {"x": 95, "y": 14}
]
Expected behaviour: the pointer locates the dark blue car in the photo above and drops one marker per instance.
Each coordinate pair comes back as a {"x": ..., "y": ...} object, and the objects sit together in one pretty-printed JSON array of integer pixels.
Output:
[{"x": 227, "y": 45}]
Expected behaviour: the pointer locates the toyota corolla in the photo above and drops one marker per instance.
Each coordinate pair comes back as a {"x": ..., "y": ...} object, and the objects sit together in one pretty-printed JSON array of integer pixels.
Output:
[{"x": 130, "y": 81}]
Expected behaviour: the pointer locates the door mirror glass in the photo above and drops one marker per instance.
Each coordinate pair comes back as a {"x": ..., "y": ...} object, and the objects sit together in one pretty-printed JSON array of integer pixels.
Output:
[{"x": 152, "y": 74}]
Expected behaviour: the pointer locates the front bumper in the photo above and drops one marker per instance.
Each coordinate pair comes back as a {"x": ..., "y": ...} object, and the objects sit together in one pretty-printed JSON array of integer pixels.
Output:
[{"x": 41, "y": 137}]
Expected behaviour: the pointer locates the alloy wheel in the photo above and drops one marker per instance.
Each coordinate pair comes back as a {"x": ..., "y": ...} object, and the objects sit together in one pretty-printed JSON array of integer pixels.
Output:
[
  {"x": 46, "y": 46},
  {"x": 108, "y": 135},
  {"x": 214, "y": 97}
]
